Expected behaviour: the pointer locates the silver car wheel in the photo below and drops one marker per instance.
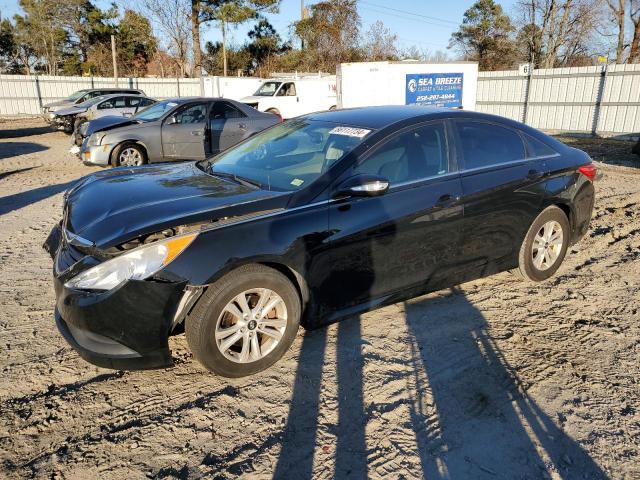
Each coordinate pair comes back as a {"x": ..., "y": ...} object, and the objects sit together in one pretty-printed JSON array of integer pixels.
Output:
[
  {"x": 547, "y": 245},
  {"x": 130, "y": 157},
  {"x": 251, "y": 325}
]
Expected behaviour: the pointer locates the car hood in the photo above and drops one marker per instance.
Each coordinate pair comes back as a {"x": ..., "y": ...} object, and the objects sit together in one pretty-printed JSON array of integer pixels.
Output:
[
  {"x": 252, "y": 99},
  {"x": 69, "y": 111},
  {"x": 57, "y": 105},
  {"x": 111, "y": 207},
  {"x": 108, "y": 122}
]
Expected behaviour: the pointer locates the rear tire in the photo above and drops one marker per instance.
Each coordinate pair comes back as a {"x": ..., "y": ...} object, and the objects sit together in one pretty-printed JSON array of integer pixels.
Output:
[
  {"x": 235, "y": 340},
  {"x": 544, "y": 247}
]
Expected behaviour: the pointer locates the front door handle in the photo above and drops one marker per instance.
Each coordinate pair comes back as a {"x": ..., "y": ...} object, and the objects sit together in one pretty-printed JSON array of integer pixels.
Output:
[
  {"x": 446, "y": 200},
  {"x": 243, "y": 126},
  {"x": 534, "y": 174},
  {"x": 197, "y": 133}
]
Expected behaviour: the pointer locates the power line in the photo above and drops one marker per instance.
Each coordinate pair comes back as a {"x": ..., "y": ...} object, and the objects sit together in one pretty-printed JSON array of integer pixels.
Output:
[
  {"x": 412, "y": 14},
  {"x": 384, "y": 12}
]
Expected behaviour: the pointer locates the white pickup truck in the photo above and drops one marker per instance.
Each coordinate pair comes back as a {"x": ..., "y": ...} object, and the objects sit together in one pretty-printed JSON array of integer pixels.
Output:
[{"x": 290, "y": 98}]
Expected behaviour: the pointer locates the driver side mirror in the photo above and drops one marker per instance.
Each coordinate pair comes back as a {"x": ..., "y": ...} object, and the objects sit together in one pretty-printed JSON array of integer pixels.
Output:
[{"x": 363, "y": 185}]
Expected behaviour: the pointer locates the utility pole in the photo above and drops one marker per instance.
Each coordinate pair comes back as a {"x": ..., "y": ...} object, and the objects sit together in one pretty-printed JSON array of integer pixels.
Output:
[
  {"x": 303, "y": 15},
  {"x": 114, "y": 58}
]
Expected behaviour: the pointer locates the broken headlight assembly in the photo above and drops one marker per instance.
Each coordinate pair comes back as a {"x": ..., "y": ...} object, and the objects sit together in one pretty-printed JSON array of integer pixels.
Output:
[
  {"x": 137, "y": 264},
  {"x": 96, "y": 139}
]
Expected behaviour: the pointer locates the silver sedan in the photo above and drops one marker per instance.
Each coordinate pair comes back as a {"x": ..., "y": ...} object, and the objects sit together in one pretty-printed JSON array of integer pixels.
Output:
[{"x": 192, "y": 128}]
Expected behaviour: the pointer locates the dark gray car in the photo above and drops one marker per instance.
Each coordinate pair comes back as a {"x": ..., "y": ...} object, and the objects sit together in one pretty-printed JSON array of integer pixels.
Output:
[{"x": 175, "y": 129}]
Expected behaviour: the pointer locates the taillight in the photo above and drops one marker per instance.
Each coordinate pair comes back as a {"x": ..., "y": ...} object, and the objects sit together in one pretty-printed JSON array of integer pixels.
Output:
[{"x": 590, "y": 171}]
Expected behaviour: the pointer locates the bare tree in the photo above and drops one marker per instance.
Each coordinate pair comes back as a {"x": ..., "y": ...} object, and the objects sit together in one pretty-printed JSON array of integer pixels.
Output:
[
  {"x": 173, "y": 19},
  {"x": 559, "y": 31},
  {"x": 617, "y": 8},
  {"x": 380, "y": 43},
  {"x": 634, "y": 48}
]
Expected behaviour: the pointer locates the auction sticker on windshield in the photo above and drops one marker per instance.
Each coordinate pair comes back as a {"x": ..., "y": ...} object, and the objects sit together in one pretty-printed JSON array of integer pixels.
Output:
[{"x": 350, "y": 131}]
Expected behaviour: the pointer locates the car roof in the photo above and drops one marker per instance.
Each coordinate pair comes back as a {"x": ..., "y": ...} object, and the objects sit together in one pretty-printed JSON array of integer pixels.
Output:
[
  {"x": 112, "y": 95},
  {"x": 376, "y": 117},
  {"x": 114, "y": 89}
]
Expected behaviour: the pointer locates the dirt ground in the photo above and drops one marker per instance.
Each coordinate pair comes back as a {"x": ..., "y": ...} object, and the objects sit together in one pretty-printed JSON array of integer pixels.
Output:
[{"x": 493, "y": 379}]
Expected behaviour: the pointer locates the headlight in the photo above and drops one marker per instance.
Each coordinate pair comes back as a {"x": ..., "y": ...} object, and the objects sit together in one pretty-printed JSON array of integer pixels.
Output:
[
  {"x": 137, "y": 264},
  {"x": 96, "y": 139},
  {"x": 52, "y": 115}
]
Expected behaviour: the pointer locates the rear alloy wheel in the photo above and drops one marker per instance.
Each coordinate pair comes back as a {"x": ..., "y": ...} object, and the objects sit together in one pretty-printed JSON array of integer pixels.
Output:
[
  {"x": 544, "y": 246},
  {"x": 130, "y": 155},
  {"x": 244, "y": 322}
]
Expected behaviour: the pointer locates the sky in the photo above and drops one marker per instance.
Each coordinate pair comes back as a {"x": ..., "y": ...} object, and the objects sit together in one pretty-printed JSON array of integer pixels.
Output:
[{"x": 427, "y": 24}]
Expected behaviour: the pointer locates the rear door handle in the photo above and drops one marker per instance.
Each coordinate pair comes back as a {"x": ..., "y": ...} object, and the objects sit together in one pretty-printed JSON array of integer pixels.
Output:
[{"x": 197, "y": 133}]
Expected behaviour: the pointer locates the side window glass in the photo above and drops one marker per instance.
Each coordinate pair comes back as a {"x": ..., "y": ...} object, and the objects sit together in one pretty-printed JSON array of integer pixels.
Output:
[
  {"x": 192, "y": 114},
  {"x": 485, "y": 144},
  {"x": 134, "y": 102},
  {"x": 287, "y": 90},
  {"x": 536, "y": 148},
  {"x": 223, "y": 110},
  {"x": 413, "y": 155},
  {"x": 119, "y": 102},
  {"x": 106, "y": 104}
]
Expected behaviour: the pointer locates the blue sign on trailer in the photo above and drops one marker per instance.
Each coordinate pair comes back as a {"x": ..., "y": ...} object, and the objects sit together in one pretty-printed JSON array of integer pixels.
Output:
[{"x": 435, "y": 89}]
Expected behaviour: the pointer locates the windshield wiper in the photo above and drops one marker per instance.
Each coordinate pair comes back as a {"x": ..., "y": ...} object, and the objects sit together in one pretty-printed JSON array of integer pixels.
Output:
[{"x": 247, "y": 182}]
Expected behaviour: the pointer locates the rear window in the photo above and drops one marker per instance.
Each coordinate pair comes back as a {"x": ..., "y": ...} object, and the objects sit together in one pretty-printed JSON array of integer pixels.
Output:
[
  {"x": 537, "y": 148},
  {"x": 485, "y": 144}
]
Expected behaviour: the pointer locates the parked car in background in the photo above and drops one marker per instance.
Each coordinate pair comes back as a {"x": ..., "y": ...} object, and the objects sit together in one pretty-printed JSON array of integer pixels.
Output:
[
  {"x": 291, "y": 98},
  {"x": 82, "y": 96},
  {"x": 177, "y": 129},
  {"x": 114, "y": 106},
  {"x": 67, "y": 119},
  {"x": 314, "y": 220}
]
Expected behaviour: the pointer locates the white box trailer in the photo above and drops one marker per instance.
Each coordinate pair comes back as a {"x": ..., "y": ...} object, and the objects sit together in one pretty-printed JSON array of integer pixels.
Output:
[
  {"x": 234, "y": 88},
  {"x": 294, "y": 96},
  {"x": 450, "y": 85}
]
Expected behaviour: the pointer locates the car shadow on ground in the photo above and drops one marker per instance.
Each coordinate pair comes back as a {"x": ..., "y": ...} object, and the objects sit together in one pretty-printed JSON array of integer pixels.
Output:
[
  {"x": 470, "y": 416},
  {"x": 13, "y": 149},
  {"x": 23, "y": 132},
  {"x": 23, "y": 199}
]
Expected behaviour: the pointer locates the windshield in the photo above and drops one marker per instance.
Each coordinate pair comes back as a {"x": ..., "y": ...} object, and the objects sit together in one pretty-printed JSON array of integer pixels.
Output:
[
  {"x": 88, "y": 103},
  {"x": 289, "y": 156},
  {"x": 155, "y": 111},
  {"x": 267, "y": 89},
  {"x": 76, "y": 95}
]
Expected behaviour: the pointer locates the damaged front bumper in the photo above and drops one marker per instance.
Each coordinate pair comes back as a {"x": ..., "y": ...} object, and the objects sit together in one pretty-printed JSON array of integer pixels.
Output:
[{"x": 123, "y": 328}]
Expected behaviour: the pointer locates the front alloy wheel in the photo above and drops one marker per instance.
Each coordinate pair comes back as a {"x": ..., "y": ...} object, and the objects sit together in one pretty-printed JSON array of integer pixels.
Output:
[
  {"x": 251, "y": 325},
  {"x": 244, "y": 322},
  {"x": 130, "y": 157}
]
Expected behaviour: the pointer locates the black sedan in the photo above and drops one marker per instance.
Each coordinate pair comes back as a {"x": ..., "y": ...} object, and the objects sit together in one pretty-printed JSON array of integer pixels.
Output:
[{"x": 311, "y": 221}]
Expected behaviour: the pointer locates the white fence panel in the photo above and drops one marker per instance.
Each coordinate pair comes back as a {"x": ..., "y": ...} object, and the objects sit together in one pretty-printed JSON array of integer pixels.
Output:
[
  {"x": 25, "y": 94},
  {"x": 597, "y": 100}
]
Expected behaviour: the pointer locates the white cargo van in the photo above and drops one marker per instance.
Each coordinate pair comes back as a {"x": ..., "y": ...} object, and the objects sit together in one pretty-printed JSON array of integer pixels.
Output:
[
  {"x": 291, "y": 97},
  {"x": 451, "y": 84}
]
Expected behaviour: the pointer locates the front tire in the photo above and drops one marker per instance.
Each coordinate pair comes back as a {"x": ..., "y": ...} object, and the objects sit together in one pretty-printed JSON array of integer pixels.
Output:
[
  {"x": 244, "y": 322},
  {"x": 129, "y": 154},
  {"x": 545, "y": 246}
]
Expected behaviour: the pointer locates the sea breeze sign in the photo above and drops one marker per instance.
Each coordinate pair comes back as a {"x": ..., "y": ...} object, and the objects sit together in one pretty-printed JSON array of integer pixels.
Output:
[{"x": 436, "y": 89}]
